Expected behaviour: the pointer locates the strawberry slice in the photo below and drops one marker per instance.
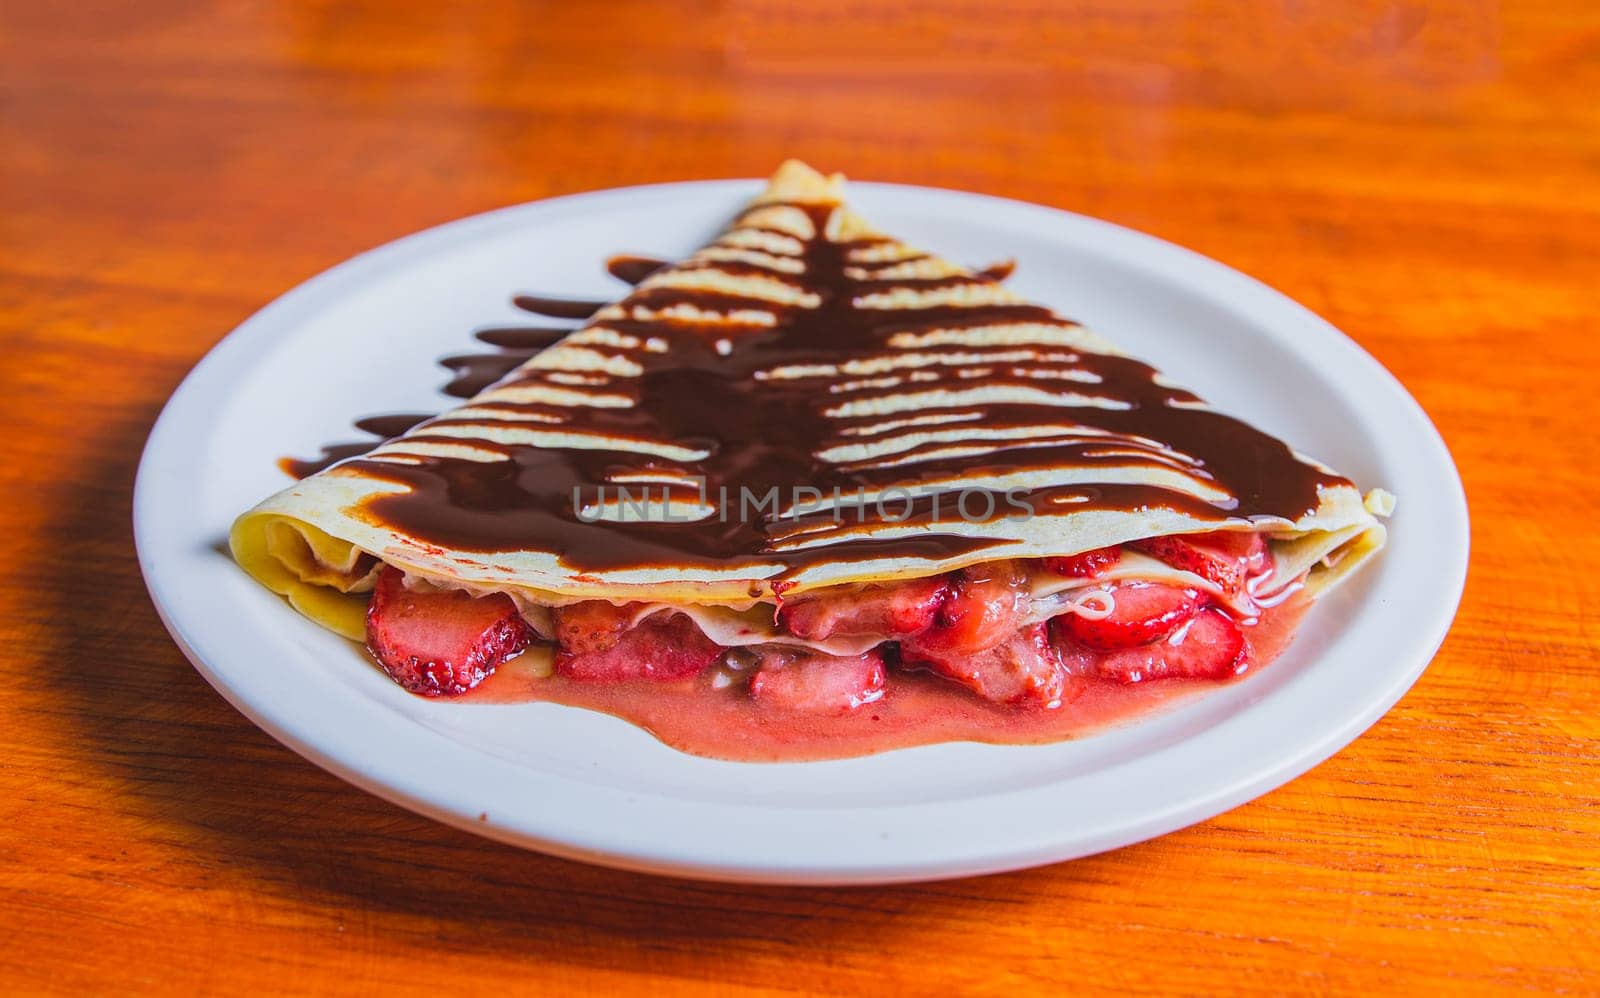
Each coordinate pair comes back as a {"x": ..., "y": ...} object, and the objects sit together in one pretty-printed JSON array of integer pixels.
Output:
[
  {"x": 985, "y": 606},
  {"x": 892, "y": 610},
  {"x": 1209, "y": 646},
  {"x": 592, "y": 626},
  {"x": 1023, "y": 669},
  {"x": 805, "y": 681},
  {"x": 662, "y": 646},
  {"x": 1086, "y": 565},
  {"x": 1225, "y": 557},
  {"x": 441, "y": 642},
  {"x": 1143, "y": 612}
]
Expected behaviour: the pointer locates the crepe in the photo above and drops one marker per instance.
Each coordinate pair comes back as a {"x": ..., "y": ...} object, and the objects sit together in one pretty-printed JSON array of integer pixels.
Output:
[{"x": 805, "y": 402}]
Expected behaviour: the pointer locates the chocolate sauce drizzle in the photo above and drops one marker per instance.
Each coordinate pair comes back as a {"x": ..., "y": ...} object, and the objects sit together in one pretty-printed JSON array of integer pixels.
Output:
[
  {"x": 517, "y": 345},
  {"x": 473, "y": 372},
  {"x": 382, "y": 428},
  {"x": 704, "y": 389}
]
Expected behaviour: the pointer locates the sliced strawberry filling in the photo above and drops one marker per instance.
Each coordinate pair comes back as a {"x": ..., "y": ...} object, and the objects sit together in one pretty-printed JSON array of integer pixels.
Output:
[
  {"x": 979, "y": 640},
  {"x": 814, "y": 683},
  {"x": 892, "y": 610},
  {"x": 984, "y": 606},
  {"x": 1224, "y": 557},
  {"x": 1207, "y": 646},
  {"x": 594, "y": 625},
  {"x": 1086, "y": 565},
  {"x": 1024, "y": 668},
  {"x": 979, "y": 627},
  {"x": 441, "y": 642},
  {"x": 1142, "y": 612},
  {"x": 662, "y": 646}
]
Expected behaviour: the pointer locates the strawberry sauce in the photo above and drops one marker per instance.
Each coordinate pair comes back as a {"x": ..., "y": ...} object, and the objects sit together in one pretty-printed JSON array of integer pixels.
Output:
[{"x": 917, "y": 708}]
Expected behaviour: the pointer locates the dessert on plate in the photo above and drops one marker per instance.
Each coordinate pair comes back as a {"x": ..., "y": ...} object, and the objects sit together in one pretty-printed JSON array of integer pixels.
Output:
[{"x": 815, "y": 492}]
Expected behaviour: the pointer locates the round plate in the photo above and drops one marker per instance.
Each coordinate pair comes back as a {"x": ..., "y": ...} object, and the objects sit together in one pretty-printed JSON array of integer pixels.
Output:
[{"x": 363, "y": 338}]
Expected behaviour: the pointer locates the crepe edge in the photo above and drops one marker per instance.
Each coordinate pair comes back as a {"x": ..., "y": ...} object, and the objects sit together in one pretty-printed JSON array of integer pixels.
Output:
[{"x": 298, "y": 562}]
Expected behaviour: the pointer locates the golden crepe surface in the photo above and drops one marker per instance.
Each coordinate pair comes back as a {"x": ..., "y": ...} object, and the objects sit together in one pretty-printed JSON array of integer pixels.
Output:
[{"x": 804, "y": 402}]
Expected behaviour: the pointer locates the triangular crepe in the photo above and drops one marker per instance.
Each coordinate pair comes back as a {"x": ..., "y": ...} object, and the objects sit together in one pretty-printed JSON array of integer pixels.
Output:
[{"x": 803, "y": 352}]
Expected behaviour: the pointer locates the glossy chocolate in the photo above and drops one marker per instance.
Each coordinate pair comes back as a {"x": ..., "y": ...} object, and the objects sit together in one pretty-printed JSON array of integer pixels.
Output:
[
  {"x": 558, "y": 308},
  {"x": 633, "y": 269},
  {"x": 381, "y": 427},
  {"x": 998, "y": 271},
  {"x": 473, "y": 372},
  {"x": 722, "y": 392}
]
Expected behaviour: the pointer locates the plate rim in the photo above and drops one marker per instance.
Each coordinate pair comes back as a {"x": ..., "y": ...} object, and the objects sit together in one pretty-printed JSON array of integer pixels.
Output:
[{"x": 413, "y": 790}]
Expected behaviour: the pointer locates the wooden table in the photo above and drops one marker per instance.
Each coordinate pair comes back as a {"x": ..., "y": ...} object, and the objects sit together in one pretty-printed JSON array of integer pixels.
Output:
[{"x": 1426, "y": 176}]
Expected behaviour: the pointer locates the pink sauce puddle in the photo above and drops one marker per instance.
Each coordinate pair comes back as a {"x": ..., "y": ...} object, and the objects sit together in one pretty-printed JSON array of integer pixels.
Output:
[{"x": 916, "y": 709}]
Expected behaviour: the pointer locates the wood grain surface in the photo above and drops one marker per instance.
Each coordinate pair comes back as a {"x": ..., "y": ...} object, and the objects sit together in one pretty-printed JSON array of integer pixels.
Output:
[{"x": 1427, "y": 176}]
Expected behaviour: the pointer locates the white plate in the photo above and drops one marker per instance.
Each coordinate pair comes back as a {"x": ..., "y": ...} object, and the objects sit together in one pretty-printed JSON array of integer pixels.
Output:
[{"x": 362, "y": 339}]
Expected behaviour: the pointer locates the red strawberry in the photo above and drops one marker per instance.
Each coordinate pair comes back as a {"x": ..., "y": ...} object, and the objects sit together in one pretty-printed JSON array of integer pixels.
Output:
[
  {"x": 984, "y": 607},
  {"x": 1024, "y": 669},
  {"x": 1143, "y": 612},
  {"x": 1210, "y": 646},
  {"x": 591, "y": 626},
  {"x": 1085, "y": 565},
  {"x": 1246, "y": 545},
  {"x": 441, "y": 642},
  {"x": 892, "y": 610},
  {"x": 1225, "y": 557},
  {"x": 810, "y": 682},
  {"x": 662, "y": 646}
]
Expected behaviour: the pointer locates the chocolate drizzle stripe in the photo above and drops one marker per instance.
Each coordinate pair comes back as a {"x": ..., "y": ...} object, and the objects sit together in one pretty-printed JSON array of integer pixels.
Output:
[
  {"x": 381, "y": 427},
  {"x": 472, "y": 373},
  {"x": 557, "y": 308}
]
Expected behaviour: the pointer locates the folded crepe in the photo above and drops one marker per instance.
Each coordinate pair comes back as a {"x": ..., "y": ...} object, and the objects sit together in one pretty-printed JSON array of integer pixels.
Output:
[{"x": 804, "y": 403}]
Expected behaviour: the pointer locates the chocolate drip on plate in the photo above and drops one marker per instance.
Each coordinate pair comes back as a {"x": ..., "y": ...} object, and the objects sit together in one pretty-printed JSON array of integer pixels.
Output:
[
  {"x": 382, "y": 428},
  {"x": 558, "y": 308},
  {"x": 633, "y": 269}
]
